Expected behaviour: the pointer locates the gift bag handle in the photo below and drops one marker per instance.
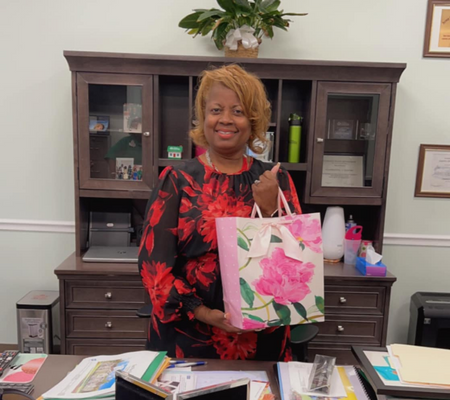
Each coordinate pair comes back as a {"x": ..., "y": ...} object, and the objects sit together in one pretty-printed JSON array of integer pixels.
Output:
[{"x": 280, "y": 199}]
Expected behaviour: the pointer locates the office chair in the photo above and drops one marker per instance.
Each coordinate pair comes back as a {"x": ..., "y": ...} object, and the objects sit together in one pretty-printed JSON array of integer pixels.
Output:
[{"x": 301, "y": 335}]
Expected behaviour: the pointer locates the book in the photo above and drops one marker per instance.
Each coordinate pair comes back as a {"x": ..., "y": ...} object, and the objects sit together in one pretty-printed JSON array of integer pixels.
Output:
[
  {"x": 24, "y": 368},
  {"x": 94, "y": 377},
  {"x": 349, "y": 378}
]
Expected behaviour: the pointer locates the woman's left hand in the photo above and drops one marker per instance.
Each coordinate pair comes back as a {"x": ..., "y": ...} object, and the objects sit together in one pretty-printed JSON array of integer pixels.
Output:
[{"x": 265, "y": 192}]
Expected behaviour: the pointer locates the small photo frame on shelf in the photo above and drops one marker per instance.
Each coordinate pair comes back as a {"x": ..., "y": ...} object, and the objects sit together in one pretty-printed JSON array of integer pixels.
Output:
[
  {"x": 437, "y": 30},
  {"x": 342, "y": 171},
  {"x": 342, "y": 129},
  {"x": 433, "y": 171},
  {"x": 98, "y": 123},
  {"x": 124, "y": 168},
  {"x": 137, "y": 173}
]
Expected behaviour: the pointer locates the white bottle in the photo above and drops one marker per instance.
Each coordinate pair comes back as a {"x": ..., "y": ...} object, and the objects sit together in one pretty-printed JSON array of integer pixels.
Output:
[{"x": 333, "y": 234}]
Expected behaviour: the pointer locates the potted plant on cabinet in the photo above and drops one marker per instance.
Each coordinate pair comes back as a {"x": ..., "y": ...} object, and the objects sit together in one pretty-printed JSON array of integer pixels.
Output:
[{"x": 239, "y": 25}]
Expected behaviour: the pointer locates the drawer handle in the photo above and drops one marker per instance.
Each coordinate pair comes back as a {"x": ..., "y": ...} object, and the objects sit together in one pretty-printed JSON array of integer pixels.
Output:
[
  {"x": 342, "y": 300},
  {"x": 108, "y": 325},
  {"x": 108, "y": 295},
  {"x": 340, "y": 328}
]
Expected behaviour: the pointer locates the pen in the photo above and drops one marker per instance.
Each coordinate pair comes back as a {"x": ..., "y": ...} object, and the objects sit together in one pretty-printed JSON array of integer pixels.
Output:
[
  {"x": 187, "y": 364},
  {"x": 177, "y": 361}
]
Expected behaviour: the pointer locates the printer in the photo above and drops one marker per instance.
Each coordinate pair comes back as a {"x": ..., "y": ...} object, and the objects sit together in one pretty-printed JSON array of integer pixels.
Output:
[{"x": 429, "y": 323}]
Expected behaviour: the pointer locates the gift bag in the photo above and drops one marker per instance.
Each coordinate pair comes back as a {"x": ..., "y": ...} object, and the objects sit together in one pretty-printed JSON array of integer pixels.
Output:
[{"x": 271, "y": 268}]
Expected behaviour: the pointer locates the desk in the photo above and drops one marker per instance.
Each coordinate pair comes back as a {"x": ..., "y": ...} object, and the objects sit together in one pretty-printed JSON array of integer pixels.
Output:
[{"x": 56, "y": 368}]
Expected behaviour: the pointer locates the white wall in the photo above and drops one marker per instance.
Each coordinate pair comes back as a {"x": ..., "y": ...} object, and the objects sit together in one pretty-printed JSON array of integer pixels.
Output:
[{"x": 35, "y": 113}]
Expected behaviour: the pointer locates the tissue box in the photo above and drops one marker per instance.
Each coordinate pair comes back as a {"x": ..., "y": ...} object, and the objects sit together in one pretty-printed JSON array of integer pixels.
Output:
[{"x": 378, "y": 269}]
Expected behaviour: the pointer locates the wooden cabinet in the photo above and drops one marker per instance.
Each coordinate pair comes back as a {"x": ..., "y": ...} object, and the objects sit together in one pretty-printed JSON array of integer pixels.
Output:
[
  {"x": 99, "y": 304},
  {"x": 148, "y": 103},
  {"x": 356, "y": 312},
  {"x": 98, "y": 307}
]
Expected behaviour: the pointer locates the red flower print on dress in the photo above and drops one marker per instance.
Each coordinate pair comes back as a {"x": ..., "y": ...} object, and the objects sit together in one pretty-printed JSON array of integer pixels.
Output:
[
  {"x": 181, "y": 287},
  {"x": 178, "y": 352},
  {"x": 231, "y": 346},
  {"x": 158, "y": 280},
  {"x": 202, "y": 269},
  {"x": 284, "y": 278}
]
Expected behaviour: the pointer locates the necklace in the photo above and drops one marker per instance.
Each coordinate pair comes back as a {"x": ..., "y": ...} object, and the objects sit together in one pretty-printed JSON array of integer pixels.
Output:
[{"x": 208, "y": 159}]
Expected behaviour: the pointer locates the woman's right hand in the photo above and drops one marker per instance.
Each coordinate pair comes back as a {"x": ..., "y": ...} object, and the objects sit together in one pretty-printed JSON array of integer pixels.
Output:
[{"x": 216, "y": 318}]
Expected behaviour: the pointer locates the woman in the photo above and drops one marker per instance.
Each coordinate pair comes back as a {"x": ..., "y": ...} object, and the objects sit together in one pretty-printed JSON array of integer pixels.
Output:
[{"x": 178, "y": 258}]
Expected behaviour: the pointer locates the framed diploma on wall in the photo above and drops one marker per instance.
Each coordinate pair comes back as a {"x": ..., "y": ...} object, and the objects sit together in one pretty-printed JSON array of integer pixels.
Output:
[
  {"x": 433, "y": 171},
  {"x": 437, "y": 31},
  {"x": 342, "y": 171}
]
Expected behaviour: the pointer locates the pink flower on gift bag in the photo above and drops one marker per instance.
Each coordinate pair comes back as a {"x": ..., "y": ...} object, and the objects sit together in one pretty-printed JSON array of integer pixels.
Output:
[
  {"x": 251, "y": 324},
  {"x": 284, "y": 278},
  {"x": 307, "y": 230}
]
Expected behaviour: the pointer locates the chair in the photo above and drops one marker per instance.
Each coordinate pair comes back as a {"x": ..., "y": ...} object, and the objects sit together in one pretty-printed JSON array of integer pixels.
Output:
[
  {"x": 145, "y": 311},
  {"x": 301, "y": 335}
]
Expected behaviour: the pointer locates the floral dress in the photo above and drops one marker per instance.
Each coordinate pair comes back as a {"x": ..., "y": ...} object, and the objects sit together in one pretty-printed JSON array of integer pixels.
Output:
[{"x": 179, "y": 262}]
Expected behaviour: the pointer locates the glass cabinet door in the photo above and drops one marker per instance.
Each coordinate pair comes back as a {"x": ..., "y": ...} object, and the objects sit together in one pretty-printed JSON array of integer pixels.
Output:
[
  {"x": 350, "y": 140},
  {"x": 115, "y": 132}
]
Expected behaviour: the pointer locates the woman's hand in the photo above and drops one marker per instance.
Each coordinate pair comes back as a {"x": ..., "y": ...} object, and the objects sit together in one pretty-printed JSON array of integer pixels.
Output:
[
  {"x": 215, "y": 318},
  {"x": 265, "y": 192}
]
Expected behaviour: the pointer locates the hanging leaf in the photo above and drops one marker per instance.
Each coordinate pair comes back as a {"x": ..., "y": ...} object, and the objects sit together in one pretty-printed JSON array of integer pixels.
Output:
[
  {"x": 227, "y": 5},
  {"x": 275, "y": 239},
  {"x": 320, "y": 304},
  {"x": 211, "y": 13},
  {"x": 242, "y": 243},
  {"x": 247, "y": 292},
  {"x": 270, "y": 5},
  {"x": 302, "y": 245},
  {"x": 301, "y": 310},
  {"x": 243, "y": 3},
  {"x": 190, "y": 21},
  {"x": 283, "y": 312}
]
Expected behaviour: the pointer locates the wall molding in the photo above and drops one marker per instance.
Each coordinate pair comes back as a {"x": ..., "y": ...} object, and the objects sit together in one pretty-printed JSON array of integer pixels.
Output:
[
  {"x": 24, "y": 225},
  {"x": 390, "y": 239},
  {"x": 406, "y": 239}
]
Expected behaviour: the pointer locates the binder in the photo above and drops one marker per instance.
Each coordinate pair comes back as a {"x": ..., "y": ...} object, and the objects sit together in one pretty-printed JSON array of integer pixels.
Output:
[{"x": 355, "y": 386}]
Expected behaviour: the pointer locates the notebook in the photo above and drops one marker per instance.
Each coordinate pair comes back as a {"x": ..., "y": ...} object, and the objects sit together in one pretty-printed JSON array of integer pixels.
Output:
[{"x": 111, "y": 254}]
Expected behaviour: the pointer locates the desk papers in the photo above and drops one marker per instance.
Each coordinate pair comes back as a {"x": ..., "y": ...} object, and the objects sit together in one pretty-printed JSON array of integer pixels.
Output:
[{"x": 423, "y": 365}]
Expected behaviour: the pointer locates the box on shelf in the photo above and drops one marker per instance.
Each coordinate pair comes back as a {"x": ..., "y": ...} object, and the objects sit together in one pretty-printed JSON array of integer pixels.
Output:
[
  {"x": 175, "y": 152},
  {"x": 378, "y": 269}
]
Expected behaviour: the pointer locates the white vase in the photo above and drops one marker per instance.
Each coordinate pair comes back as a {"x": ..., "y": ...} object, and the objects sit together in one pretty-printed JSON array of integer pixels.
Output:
[{"x": 333, "y": 234}]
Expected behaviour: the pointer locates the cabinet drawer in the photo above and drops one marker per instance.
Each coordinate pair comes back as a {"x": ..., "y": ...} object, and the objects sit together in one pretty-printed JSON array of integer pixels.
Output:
[
  {"x": 350, "y": 329},
  {"x": 354, "y": 300},
  {"x": 105, "y": 295},
  {"x": 105, "y": 324},
  {"x": 94, "y": 347}
]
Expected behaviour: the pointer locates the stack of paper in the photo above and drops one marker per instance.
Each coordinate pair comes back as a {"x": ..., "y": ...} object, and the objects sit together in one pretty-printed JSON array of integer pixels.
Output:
[
  {"x": 422, "y": 365},
  {"x": 94, "y": 377}
]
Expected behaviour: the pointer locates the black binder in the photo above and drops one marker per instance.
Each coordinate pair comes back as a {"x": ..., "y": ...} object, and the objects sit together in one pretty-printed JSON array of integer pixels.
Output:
[{"x": 129, "y": 387}]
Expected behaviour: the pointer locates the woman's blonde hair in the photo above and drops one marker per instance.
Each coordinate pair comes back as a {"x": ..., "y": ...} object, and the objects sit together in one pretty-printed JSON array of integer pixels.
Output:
[{"x": 251, "y": 93}]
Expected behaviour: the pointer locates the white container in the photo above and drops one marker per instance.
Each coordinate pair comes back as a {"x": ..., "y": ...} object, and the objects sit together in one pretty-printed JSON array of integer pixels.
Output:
[{"x": 333, "y": 234}]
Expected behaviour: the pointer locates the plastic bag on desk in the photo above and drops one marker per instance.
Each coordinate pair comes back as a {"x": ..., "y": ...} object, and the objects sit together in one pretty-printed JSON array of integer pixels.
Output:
[{"x": 320, "y": 377}]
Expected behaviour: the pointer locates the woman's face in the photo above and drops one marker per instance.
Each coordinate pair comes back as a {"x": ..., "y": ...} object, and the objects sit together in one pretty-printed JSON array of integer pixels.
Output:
[{"x": 226, "y": 128}]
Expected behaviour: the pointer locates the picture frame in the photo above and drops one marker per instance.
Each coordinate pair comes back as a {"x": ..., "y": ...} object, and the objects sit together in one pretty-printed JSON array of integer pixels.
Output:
[
  {"x": 437, "y": 29},
  {"x": 342, "y": 129},
  {"x": 98, "y": 123},
  {"x": 433, "y": 171},
  {"x": 343, "y": 170}
]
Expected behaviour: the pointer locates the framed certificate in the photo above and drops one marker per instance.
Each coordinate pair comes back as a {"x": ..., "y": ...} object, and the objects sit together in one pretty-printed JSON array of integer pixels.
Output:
[
  {"x": 343, "y": 171},
  {"x": 437, "y": 31},
  {"x": 433, "y": 171}
]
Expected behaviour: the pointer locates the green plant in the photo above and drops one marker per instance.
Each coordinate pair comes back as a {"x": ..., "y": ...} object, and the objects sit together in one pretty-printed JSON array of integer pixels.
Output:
[{"x": 261, "y": 15}]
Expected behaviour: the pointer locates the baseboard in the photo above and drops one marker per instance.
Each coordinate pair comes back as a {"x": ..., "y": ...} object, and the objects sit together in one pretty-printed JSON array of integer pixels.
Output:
[{"x": 390, "y": 239}]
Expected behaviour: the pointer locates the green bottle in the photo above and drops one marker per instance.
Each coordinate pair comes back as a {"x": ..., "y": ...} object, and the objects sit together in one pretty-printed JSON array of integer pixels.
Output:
[{"x": 295, "y": 135}]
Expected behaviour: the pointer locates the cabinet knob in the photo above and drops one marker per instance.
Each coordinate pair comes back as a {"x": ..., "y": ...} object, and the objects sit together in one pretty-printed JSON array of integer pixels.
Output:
[
  {"x": 147, "y": 134},
  {"x": 108, "y": 295},
  {"x": 342, "y": 300},
  {"x": 340, "y": 328},
  {"x": 319, "y": 140},
  {"x": 108, "y": 325}
]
